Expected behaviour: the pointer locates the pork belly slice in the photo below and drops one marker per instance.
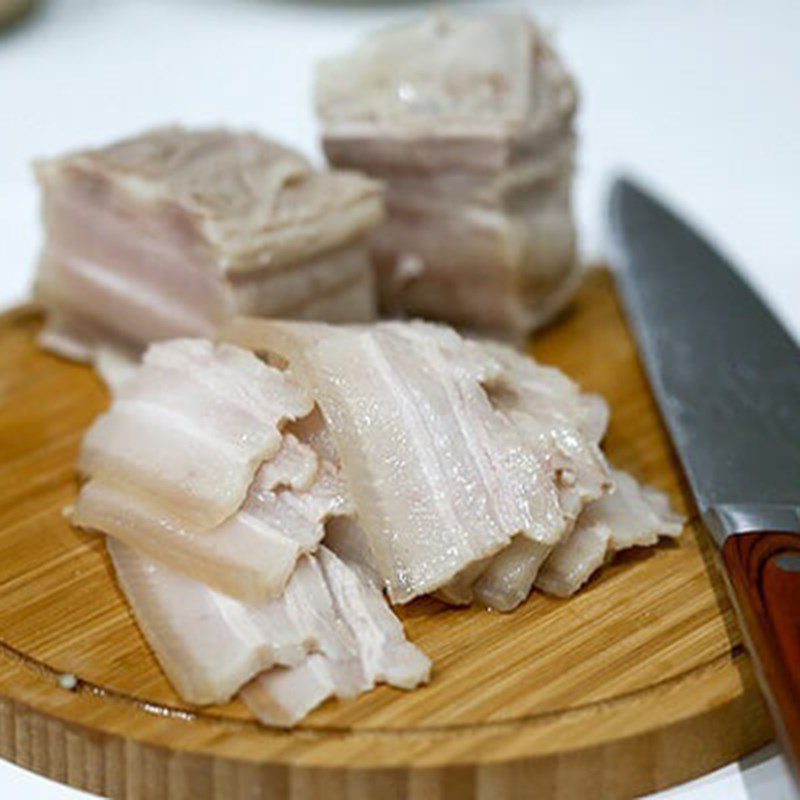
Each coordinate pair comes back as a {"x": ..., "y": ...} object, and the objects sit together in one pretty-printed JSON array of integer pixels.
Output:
[
  {"x": 171, "y": 232},
  {"x": 188, "y": 431},
  {"x": 208, "y": 643},
  {"x": 631, "y": 515},
  {"x": 508, "y": 579},
  {"x": 625, "y": 515},
  {"x": 379, "y": 653},
  {"x": 252, "y": 554},
  {"x": 565, "y": 424},
  {"x": 440, "y": 478},
  {"x": 230, "y": 402},
  {"x": 565, "y": 427}
]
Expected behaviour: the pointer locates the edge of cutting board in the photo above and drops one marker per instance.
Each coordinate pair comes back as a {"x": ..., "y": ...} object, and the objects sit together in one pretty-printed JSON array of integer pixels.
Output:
[{"x": 676, "y": 699}]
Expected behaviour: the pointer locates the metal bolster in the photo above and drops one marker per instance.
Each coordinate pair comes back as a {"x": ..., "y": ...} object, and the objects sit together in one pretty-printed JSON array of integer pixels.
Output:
[{"x": 728, "y": 519}]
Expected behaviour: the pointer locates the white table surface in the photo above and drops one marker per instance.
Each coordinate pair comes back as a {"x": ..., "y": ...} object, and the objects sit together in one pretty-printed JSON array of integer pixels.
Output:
[{"x": 701, "y": 98}]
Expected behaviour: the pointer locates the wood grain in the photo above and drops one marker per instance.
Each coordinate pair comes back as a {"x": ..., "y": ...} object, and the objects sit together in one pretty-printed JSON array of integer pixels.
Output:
[
  {"x": 639, "y": 682},
  {"x": 764, "y": 573}
]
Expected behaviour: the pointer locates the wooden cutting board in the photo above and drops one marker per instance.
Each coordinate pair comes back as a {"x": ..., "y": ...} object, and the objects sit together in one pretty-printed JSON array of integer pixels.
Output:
[{"x": 639, "y": 682}]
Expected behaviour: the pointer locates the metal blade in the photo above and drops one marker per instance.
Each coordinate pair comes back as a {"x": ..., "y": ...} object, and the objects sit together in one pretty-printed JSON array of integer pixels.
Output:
[{"x": 725, "y": 372}]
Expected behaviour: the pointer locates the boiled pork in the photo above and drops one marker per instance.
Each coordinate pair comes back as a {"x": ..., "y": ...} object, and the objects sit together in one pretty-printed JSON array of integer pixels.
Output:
[
  {"x": 208, "y": 643},
  {"x": 250, "y": 556},
  {"x": 631, "y": 515},
  {"x": 440, "y": 478},
  {"x": 376, "y": 652},
  {"x": 189, "y": 431},
  {"x": 172, "y": 232},
  {"x": 189, "y": 514},
  {"x": 468, "y": 118},
  {"x": 257, "y": 510},
  {"x": 565, "y": 427},
  {"x": 329, "y": 633}
]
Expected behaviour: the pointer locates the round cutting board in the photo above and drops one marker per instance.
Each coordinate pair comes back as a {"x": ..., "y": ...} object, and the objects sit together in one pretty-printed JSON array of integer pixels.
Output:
[{"x": 639, "y": 682}]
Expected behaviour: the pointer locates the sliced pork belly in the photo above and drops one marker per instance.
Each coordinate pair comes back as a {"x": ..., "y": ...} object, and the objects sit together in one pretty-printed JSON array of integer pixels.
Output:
[
  {"x": 284, "y": 695},
  {"x": 565, "y": 424},
  {"x": 507, "y": 580},
  {"x": 625, "y": 515},
  {"x": 252, "y": 554},
  {"x": 172, "y": 232},
  {"x": 441, "y": 479},
  {"x": 189, "y": 430},
  {"x": 631, "y": 515},
  {"x": 565, "y": 427},
  {"x": 467, "y": 117},
  {"x": 386, "y": 655},
  {"x": 209, "y": 644},
  {"x": 224, "y": 407}
]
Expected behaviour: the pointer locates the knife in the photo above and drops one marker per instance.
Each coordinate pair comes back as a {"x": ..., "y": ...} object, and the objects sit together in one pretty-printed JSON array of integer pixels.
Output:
[{"x": 726, "y": 376}]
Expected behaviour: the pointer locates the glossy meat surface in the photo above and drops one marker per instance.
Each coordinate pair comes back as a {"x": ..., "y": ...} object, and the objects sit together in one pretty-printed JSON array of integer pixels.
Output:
[
  {"x": 565, "y": 427},
  {"x": 208, "y": 643},
  {"x": 252, "y": 554},
  {"x": 631, "y": 515},
  {"x": 188, "y": 432},
  {"x": 439, "y": 476}
]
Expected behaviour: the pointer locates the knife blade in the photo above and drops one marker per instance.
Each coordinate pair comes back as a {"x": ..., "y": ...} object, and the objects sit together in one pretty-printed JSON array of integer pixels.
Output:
[{"x": 726, "y": 376}]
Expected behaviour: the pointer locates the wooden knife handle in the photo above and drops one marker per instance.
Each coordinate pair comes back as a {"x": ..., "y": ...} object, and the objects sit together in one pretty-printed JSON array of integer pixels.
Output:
[{"x": 764, "y": 573}]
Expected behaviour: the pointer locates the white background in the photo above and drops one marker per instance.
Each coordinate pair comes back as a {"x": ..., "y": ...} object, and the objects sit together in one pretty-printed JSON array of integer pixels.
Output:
[{"x": 700, "y": 98}]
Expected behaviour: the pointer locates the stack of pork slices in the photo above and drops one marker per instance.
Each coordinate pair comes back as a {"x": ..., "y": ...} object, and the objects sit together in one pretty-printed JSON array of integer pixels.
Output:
[
  {"x": 257, "y": 509},
  {"x": 213, "y": 478},
  {"x": 468, "y": 117},
  {"x": 174, "y": 231}
]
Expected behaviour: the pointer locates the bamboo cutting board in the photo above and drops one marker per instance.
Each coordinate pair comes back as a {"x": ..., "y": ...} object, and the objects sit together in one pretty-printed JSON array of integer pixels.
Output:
[{"x": 639, "y": 682}]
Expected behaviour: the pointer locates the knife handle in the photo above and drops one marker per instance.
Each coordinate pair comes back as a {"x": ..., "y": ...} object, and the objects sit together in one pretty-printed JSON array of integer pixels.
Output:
[{"x": 764, "y": 574}]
